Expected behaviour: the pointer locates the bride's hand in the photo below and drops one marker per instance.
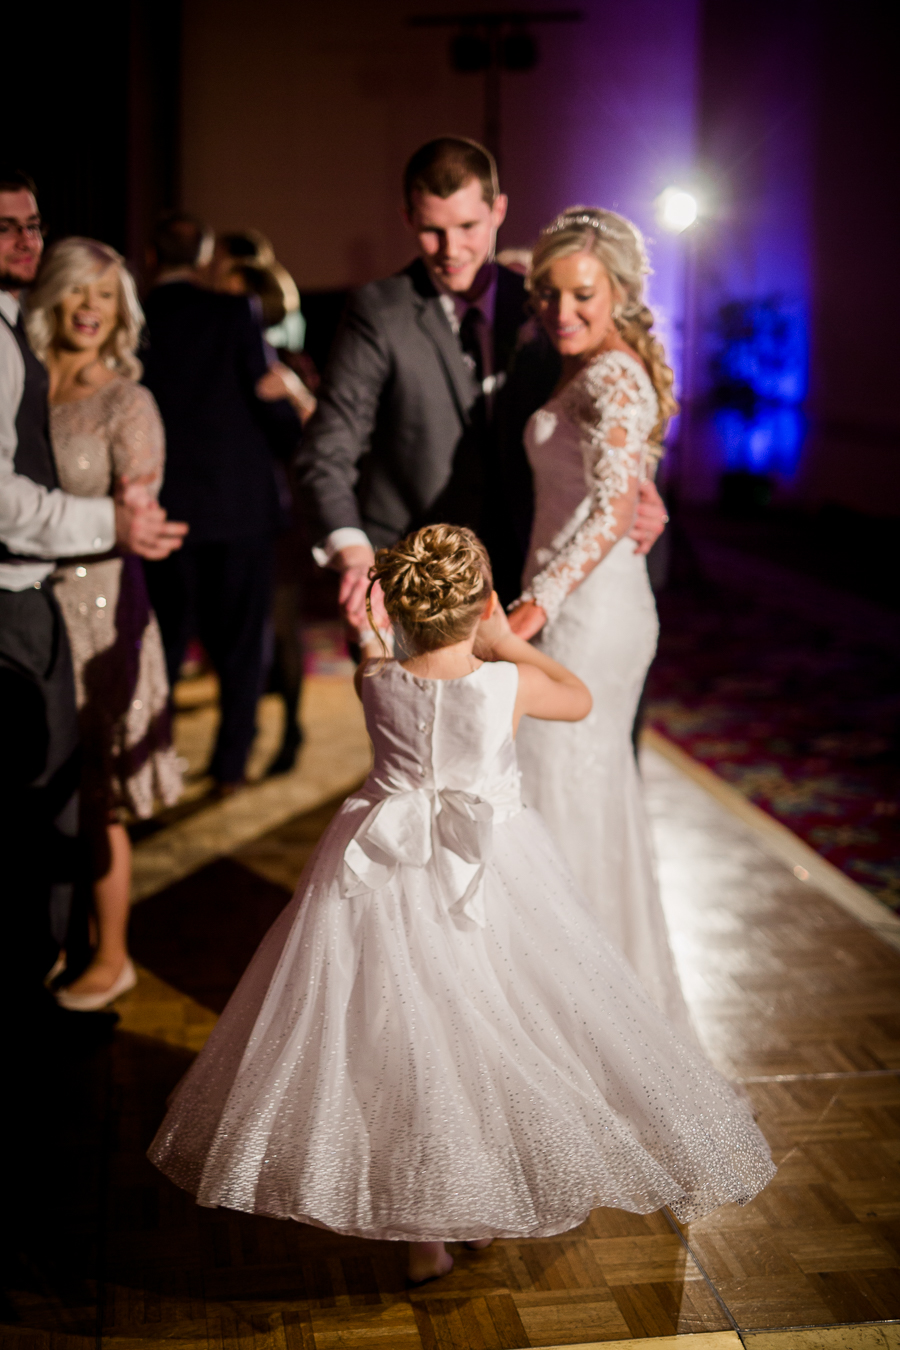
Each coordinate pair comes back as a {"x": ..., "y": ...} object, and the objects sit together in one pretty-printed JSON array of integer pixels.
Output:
[
  {"x": 491, "y": 628},
  {"x": 527, "y": 619}
]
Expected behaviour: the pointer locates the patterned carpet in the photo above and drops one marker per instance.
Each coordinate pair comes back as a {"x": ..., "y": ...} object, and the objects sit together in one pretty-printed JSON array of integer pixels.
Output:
[{"x": 792, "y": 702}]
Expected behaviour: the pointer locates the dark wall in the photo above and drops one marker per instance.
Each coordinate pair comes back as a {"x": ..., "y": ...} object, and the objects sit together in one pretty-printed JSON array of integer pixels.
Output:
[
  {"x": 67, "y": 80},
  {"x": 855, "y": 444},
  {"x": 756, "y": 137},
  {"x": 299, "y": 117},
  {"x": 96, "y": 107},
  {"x": 154, "y": 118},
  {"x": 798, "y": 133}
]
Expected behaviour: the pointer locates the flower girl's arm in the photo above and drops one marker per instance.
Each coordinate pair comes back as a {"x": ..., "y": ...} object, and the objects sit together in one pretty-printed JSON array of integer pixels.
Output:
[{"x": 546, "y": 689}]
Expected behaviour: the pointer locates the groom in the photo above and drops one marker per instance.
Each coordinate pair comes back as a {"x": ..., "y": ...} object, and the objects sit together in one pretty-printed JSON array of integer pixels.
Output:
[{"x": 417, "y": 420}]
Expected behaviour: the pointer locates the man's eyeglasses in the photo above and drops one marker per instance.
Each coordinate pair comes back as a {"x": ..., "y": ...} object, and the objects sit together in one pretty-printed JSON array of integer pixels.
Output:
[{"x": 33, "y": 229}]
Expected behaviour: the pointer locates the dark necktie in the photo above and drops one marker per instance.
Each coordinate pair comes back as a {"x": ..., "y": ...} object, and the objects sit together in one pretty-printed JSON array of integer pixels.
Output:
[{"x": 470, "y": 341}]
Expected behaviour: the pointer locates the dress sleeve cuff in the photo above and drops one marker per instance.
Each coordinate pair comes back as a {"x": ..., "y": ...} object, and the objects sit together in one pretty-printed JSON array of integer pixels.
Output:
[
  {"x": 547, "y": 593},
  {"x": 104, "y": 525},
  {"x": 345, "y": 537}
]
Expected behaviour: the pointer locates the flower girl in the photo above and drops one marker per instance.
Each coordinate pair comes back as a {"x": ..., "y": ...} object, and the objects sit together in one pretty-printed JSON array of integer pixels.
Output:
[{"x": 435, "y": 1041}]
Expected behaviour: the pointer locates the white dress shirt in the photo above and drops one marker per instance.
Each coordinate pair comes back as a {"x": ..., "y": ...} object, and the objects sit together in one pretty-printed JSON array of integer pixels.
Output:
[
  {"x": 43, "y": 523},
  {"x": 455, "y": 308}
]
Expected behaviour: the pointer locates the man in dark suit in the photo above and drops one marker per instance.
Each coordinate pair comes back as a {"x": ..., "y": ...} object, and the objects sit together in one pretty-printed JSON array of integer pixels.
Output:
[
  {"x": 417, "y": 421},
  {"x": 40, "y": 764},
  {"x": 204, "y": 359}
]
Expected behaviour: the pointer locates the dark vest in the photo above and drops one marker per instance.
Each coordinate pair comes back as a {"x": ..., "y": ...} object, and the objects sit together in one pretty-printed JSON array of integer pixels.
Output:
[{"x": 33, "y": 457}]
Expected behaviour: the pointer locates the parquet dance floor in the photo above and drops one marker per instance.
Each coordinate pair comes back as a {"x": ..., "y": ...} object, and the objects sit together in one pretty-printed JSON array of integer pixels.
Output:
[{"x": 791, "y": 994}]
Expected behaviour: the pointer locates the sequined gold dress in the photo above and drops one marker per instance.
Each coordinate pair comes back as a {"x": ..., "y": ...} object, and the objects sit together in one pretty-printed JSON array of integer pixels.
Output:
[
  {"x": 435, "y": 1040},
  {"x": 120, "y": 672}
]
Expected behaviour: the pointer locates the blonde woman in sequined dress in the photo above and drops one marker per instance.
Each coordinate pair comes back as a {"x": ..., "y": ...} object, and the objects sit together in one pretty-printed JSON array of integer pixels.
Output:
[
  {"x": 587, "y": 600},
  {"x": 84, "y": 322}
]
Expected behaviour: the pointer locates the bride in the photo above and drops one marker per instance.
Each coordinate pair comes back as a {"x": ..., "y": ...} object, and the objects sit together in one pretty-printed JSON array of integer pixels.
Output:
[{"x": 587, "y": 601}]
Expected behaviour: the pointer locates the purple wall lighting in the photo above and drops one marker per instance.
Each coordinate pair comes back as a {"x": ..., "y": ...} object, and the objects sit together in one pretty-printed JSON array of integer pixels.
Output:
[{"x": 753, "y": 282}]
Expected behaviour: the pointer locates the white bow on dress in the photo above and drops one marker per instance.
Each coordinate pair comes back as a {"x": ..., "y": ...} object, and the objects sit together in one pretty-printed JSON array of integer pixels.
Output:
[{"x": 411, "y": 828}]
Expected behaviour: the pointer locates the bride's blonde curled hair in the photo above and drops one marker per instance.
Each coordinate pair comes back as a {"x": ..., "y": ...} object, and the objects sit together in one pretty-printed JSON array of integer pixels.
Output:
[
  {"x": 619, "y": 246},
  {"x": 435, "y": 583}
]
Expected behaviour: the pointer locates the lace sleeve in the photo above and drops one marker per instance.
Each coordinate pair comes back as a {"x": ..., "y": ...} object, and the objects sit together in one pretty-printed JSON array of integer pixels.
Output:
[
  {"x": 138, "y": 443},
  {"x": 609, "y": 405}
]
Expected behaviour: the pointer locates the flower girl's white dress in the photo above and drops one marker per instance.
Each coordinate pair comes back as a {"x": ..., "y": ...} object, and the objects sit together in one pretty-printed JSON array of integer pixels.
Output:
[{"x": 435, "y": 1039}]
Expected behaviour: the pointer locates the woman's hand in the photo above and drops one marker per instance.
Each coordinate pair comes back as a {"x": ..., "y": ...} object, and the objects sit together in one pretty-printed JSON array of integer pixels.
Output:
[
  {"x": 650, "y": 517},
  {"x": 281, "y": 382},
  {"x": 134, "y": 491},
  {"x": 492, "y": 628},
  {"x": 142, "y": 526},
  {"x": 527, "y": 619}
]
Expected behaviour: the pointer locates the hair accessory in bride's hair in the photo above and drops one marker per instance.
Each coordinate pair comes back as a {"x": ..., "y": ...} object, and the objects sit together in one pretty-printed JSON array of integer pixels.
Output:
[{"x": 570, "y": 219}]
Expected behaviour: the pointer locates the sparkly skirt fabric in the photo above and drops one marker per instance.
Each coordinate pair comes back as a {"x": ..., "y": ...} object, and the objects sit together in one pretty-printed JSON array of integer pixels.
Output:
[
  {"x": 129, "y": 761},
  {"x": 389, "y": 1071}
]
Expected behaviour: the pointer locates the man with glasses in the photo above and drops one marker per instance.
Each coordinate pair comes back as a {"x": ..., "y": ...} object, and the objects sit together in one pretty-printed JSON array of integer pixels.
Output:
[{"x": 39, "y": 767}]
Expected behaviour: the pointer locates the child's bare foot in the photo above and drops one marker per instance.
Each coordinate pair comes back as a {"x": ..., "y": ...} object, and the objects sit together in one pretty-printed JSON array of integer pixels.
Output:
[
  {"x": 479, "y": 1244},
  {"x": 427, "y": 1261}
]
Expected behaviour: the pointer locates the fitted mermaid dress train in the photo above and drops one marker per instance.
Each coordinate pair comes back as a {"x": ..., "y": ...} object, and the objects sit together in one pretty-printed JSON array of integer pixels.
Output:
[{"x": 588, "y": 449}]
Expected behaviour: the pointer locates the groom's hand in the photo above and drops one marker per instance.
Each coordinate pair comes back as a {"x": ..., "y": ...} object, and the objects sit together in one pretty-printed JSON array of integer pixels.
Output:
[
  {"x": 650, "y": 518},
  {"x": 354, "y": 563}
]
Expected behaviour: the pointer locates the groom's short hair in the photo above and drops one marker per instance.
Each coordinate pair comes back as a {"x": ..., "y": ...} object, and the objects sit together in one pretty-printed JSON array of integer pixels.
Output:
[{"x": 445, "y": 165}]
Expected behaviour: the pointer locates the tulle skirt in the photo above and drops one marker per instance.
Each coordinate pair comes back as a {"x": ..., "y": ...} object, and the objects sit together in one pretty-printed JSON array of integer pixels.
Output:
[{"x": 389, "y": 1070}]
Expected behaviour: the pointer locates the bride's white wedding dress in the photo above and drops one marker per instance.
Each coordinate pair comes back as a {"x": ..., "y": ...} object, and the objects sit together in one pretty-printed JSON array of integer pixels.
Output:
[{"x": 587, "y": 448}]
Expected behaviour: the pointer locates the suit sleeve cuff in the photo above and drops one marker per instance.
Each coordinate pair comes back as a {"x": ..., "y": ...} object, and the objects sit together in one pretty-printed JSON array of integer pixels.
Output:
[{"x": 346, "y": 537}]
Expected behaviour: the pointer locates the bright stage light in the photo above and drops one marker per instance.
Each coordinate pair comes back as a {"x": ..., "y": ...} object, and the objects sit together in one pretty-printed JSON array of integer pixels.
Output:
[{"x": 676, "y": 209}]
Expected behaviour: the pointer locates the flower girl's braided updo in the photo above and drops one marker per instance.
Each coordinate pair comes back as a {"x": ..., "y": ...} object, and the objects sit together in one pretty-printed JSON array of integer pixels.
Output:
[
  {"x": 619, "y": 246},
  {"x": 436, "y": 583}
]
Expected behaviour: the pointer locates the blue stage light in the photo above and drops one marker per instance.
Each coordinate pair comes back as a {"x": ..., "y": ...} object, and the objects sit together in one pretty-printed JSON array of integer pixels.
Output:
[{"x": 759, "y": 383}]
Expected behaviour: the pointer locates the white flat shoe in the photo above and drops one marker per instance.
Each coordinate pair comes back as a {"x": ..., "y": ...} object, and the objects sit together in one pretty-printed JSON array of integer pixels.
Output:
[
  {"x": 56, "y": 969},
  {"x": 94, "y": 1002}
]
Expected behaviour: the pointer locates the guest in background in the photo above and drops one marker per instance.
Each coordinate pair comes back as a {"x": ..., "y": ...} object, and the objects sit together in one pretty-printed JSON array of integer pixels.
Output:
[
  {"x": 234, "y": 247},
  {"x": 244, "y": 263},
  {"x": 273, "y": 291},
  {"x": 276, "y": 299},
  {"x": 40, "y": 765},
  {"x": 204, "y": 360},
  {"x": 238, "y": 250},
  {"x": 84, "y": 322}
]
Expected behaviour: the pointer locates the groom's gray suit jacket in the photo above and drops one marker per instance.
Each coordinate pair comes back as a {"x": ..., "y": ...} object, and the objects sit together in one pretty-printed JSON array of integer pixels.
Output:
[{"x": 401, "y": 437}]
